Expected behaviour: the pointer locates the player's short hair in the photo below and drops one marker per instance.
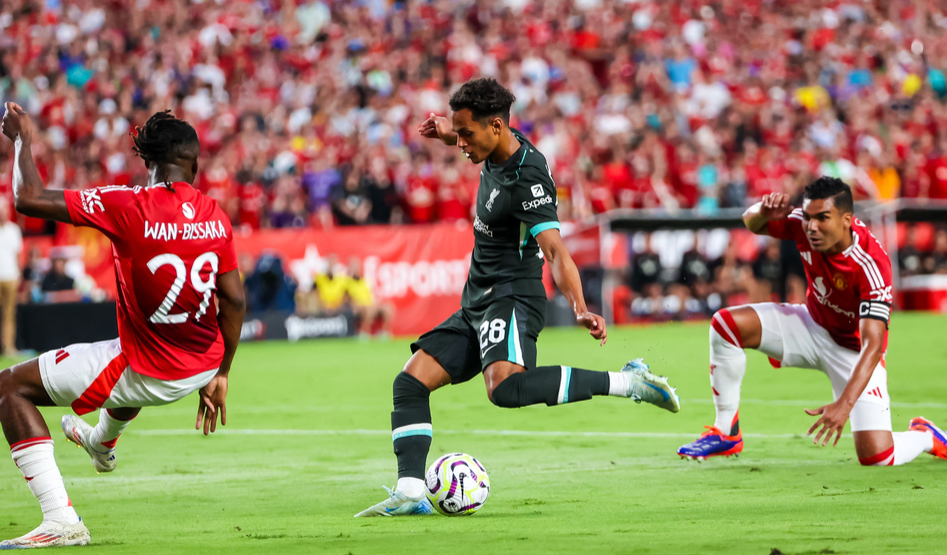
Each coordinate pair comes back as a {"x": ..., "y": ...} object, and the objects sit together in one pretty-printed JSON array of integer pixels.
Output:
[
  {"x": 485, "y": 98},
  {"x": 833, "y": 188},
  {"x": 164, "y": 139}
]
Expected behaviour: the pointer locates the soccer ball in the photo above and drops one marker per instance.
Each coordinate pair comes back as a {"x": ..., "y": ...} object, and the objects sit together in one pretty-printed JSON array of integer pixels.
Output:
[{"x": 457, "y": 484}]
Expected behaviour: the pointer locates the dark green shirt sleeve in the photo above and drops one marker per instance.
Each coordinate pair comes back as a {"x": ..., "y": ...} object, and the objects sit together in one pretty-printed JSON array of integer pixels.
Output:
[{"x": 534, "y": 200}]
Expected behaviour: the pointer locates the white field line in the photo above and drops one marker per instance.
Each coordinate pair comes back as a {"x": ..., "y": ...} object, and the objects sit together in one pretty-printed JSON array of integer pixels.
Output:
[
  {"x": 810, "y": 403},
  {"x": 515, "y": 433},
  {"x": 800, "y": 403}
]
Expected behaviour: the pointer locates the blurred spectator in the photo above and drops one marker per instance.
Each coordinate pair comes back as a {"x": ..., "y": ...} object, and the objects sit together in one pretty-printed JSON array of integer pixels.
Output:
[
  {"x": 936, "y": 261},
  {"x": 350, "y": 204},
  {"x": 367, "y": 308},
  {"x": 56, "y": 278},
  {"x": 331, "y": 286},
  {"x": 268, "y": 287},
  {"x": 910, "y": 257},
  {"x": 645, "y": 268},
  {"x": 30, "y": 282},
  {"x": 769, "y": 275},
  {"x": 11, "y": 243}
]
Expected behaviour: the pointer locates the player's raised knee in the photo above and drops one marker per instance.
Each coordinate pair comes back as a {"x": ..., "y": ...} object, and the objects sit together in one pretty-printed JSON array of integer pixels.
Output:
[{"x": 724, "y": 326}]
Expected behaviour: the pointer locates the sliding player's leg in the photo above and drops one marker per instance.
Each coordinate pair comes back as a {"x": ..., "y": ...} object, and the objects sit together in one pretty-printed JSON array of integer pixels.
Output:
[
  {"x": 22, "y": 389},
  {"x": 507, "y": 334}
]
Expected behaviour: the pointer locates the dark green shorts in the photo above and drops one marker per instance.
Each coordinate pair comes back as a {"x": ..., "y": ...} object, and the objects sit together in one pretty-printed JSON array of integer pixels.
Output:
[{"x": 472, "y": 339}]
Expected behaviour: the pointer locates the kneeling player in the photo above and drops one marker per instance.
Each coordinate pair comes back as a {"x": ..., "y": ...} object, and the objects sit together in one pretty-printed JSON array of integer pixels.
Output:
[
  {"x": 842, "y": 330},
  {"x": 180, "y": 308},
  {"x": 503, "y": 308}
]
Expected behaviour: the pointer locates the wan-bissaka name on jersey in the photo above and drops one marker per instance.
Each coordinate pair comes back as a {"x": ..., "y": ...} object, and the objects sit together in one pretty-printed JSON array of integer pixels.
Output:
[{"x": 515, "y": 202}]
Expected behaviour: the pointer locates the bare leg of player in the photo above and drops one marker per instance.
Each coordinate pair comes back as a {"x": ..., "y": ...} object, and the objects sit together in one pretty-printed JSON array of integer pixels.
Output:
[{"x": 21, "y": 391}]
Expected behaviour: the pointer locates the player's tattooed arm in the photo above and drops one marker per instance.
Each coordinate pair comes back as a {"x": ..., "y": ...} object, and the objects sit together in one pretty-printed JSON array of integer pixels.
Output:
[
  {"x": 31, "y": 198},
  {"x": 566, "y": 276},
  {"x": 774, "y": 206},
  {"x": 832, "y": 417}
]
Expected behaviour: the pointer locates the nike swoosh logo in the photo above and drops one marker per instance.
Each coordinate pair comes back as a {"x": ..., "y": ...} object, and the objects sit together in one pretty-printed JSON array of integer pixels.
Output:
[
  {"x": 485, "y": 351},
  {"x": 659, "y": 390}
]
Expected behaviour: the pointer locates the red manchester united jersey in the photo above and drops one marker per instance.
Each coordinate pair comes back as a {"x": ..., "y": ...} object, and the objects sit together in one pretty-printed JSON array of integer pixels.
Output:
[
  {"x": 844, "y": 287},
  {"x": 168, "y": 248}
]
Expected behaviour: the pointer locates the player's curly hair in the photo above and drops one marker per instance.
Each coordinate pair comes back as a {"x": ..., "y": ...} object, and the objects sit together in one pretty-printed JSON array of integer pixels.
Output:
[
  {"x": 485, "y": 98},
  {"x": 834, "y": 188},
  {"x": 163, "y": 139}
]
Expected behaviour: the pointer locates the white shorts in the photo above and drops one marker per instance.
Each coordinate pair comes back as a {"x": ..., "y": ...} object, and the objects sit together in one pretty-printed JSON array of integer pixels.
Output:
[
  {"x": 791, "y": 336},
  {"x": 89, "y": 376}
]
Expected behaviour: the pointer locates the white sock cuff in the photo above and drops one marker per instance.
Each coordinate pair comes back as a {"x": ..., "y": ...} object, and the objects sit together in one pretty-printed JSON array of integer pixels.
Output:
[
  {"x": 617, "y": 384},
  {"x": 27, "y": 446},
  {"x": 412, "y": 487}
]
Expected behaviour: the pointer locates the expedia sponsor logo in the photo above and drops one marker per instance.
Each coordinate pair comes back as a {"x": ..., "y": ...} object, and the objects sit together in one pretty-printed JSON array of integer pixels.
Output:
[
  {"x": 482, "y": 227},
  {"x": 531, "y": 204}
]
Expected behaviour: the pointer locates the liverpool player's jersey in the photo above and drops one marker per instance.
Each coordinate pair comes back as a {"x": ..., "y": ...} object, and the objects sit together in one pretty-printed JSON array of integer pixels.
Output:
[
  {"x": 844, "y": 287},
  {"x": 168, "y": 249},
  {"x": 516, "y": 201}
]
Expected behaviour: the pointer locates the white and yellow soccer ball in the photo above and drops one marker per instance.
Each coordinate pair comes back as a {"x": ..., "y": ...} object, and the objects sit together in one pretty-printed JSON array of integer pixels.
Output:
[{"x": 457, "y": 484}]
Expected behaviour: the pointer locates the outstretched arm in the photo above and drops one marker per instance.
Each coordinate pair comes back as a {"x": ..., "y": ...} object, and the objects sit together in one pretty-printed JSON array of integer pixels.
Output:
[
  {"x": 31, "y": 198},
  {"x": 834, "y": 415},
  {"x": 566, "y": 276}
]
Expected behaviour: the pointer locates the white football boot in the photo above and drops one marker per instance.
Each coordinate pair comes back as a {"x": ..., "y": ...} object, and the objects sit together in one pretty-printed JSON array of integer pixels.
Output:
[
  {"x": 650, "y": 388},
  {"x": 78, "y": 431},
  {"x": 51, "y": 534},
  {"x": 399, "y": 504}
]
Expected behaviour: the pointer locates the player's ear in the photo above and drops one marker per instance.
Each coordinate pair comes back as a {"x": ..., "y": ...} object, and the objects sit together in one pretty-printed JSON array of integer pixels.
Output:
[
  {"x": 847, "y": 219},
  {"x": 497, "y": 125}
]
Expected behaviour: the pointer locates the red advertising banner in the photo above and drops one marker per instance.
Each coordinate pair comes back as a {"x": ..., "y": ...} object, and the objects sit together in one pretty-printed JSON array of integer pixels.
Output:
[{"x": 419, "y": 269}]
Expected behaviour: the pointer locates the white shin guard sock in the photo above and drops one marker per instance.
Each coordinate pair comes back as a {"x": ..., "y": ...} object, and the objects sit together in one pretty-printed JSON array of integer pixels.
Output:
[
  {"x": 35, "y": 460},
  {"x": 909, "y": 445},
  {"x": 727, "y": 367},
  {"x": 107, "y": 431}
]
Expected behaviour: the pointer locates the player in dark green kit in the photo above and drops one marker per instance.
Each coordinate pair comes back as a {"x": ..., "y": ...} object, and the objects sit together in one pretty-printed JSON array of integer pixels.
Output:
[{"x": 503, "y": 308}]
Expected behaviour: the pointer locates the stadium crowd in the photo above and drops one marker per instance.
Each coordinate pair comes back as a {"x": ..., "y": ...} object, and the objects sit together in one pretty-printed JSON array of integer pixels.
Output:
[{"x": 307, "y": 110}]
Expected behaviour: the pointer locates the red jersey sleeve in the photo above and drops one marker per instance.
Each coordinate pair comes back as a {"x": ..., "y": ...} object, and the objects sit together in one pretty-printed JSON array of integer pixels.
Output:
[
  {"x": 108, "y": 209},
  {"x": 228, "y": 255},
  {"x": 789, "y": 227},
  {"x": 874, "y": 277}
]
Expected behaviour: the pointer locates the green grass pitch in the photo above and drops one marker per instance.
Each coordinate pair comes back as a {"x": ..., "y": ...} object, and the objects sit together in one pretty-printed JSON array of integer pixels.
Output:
[{"x": 308, "y": 445}]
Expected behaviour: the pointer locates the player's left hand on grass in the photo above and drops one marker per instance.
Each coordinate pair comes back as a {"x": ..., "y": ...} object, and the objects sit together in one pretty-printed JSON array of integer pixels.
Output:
[
  {"x": 595, "y": 324},
  {"x": 213, "y": 397},
  {"x": 832, "y": 421}
]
